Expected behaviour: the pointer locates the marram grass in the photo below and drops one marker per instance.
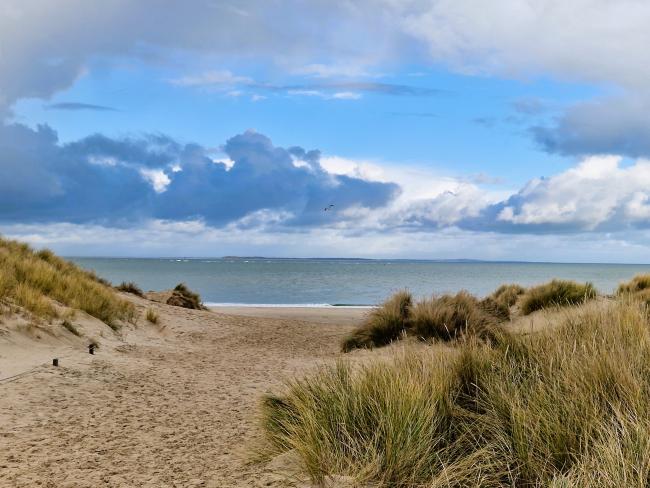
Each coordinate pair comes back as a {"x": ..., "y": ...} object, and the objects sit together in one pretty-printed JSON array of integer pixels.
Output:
[
  {"x": 446, "y": 317},
  {"x": 38, "y": 280},
  {"x": 556, "y": 293},
  {"x": 568, "y": 406},
  {"x": 383, "y": 325}
]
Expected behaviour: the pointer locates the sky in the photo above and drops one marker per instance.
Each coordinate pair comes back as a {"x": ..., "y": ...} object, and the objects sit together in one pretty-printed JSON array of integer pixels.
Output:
[{"x": 434, "y": 129}]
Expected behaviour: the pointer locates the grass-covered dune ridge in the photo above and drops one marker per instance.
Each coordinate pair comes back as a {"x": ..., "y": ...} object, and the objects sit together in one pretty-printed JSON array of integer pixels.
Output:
[
  {"x": 451, "y": 317},
  {"x": 568, "y": 406},
  {"x": 37, "y": 281}
]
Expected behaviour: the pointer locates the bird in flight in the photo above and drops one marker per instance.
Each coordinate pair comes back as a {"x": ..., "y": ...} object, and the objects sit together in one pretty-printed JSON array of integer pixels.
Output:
[{"x": 328, "y": 208}]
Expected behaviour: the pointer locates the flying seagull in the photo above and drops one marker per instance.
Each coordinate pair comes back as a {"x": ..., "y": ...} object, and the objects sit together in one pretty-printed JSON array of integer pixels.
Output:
[{"x": 329, "y": 207}]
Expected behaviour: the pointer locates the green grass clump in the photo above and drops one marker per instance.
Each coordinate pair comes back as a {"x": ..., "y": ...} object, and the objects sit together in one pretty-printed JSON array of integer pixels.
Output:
[
  {"x": 152, "y": 316},
  {"x": 130, "y": 287},
  {"x": 556, "y": 293},
  {"x": 182, "y": 296},
  {"x": 383, "y": 325},
  {"x": 450, "y": 316},
  {"x": 568, "y": 406},
  {"x": 34, "y": 280},
  {"x": 447, "y": 317}
]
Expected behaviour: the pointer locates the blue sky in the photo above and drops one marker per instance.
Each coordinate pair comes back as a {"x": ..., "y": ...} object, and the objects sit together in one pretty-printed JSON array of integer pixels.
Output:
[{"x": 434, "y": 128}]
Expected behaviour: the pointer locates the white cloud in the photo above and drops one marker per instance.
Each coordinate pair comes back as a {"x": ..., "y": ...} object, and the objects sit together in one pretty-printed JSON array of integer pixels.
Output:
[
  {"x": 157, "y": 178},
  {"x": 418, "y": 182},
  {"x": 343, "y": 95},
  {"x": 320, "y": 70},
  {"x": 427, "y": 198},
  {"x": 347, "y": 95},
  {"x": 586, "y": 40},
  {"x": 600, "y": 191},
  {"x": 212, "y": 78}
]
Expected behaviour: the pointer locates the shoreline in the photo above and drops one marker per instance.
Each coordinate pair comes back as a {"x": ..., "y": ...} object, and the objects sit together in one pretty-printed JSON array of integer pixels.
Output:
[{"x": 318, "y": 315}]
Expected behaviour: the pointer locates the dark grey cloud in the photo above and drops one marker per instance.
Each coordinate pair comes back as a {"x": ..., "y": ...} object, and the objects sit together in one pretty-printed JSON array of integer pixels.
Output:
[
  {"x": 79, "y": 106},
  {"x": 125, "y": 181},
  {"x": 611, "y": 126}
]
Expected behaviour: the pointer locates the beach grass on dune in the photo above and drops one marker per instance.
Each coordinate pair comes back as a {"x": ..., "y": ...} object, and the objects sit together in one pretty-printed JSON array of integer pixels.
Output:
[
  {"x": 446, "y": 317},
  {"x": 449, "y": 317},
  {"x": 637, "y": 284},
  {"x": 508, "y": 294},
  {"x": 383, "y": 325},
  {"x": 556, "y": 293},
  {"x": 184, "y": 297},
  {"x": 130, "y": 287},
  {"x": 568, "y": 406},
  {"x": 38, "y": 280},
  {"x": 151, "y": 316}
]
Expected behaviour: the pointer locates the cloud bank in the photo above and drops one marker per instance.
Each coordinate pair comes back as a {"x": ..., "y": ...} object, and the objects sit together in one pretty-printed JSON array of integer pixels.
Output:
[{"x": 127, "y": 181}]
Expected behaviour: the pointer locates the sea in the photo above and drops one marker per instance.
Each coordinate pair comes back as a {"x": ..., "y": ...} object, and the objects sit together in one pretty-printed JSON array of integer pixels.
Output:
[{"x": 341, "y": 282}]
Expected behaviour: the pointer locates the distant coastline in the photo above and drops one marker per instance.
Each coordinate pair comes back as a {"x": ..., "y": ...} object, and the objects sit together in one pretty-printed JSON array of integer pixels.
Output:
[{"x": 347, "y": 259}]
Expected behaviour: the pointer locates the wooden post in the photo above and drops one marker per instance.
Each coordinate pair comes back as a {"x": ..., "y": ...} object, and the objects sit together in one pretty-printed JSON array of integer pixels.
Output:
[{"x": 55, "y": 362}]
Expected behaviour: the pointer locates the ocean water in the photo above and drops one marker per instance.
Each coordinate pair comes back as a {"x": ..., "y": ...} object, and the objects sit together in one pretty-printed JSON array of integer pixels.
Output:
[{"x": 319, "y": 282}]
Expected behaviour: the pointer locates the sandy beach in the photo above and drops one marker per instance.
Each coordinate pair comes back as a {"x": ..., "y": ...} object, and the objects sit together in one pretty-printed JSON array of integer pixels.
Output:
[{"x": 170, "y": 405}]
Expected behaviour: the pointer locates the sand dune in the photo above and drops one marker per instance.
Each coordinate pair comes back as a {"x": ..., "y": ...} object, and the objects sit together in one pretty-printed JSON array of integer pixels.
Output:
[{"x": 169, "y": 405}]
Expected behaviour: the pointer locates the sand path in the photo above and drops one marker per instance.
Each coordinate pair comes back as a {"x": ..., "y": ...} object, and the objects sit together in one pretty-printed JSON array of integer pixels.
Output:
[{"x": 174, "y": 409}]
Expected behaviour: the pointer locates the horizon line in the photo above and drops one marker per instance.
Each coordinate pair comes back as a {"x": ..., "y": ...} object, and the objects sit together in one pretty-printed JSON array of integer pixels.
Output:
[{"x": 431, "y": 260}]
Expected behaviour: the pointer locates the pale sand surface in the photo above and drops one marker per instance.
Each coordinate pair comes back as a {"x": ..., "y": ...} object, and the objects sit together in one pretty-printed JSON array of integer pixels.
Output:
[
  {"x": 173, "y": 405},
  {"x": 322, "y": 315}
]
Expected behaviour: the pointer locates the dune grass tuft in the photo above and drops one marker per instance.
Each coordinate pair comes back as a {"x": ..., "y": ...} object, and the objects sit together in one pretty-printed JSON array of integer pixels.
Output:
[
  {"x": 182, "y": 296},
  {"x": 34, "y": 280},
  {"x": 69, "y": 326},
  {"x": 508, "y": 294},
  {"x": 34, "y": 301},
  {"x": 568, "y": 406},
  {"x": 446, "y": 317},
  {"x": 383, "y": 325},
  {"x": 130, "y": 287},
  {"x": 152, "y": 316},
  {"x": 556, "y": 293},
  {"x": 450, "y": 317},
  {"x": 637, "y": 284}
]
